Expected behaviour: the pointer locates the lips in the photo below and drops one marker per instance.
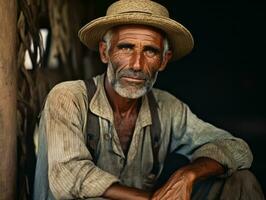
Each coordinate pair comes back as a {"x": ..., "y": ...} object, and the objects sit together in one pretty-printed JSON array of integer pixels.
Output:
[{"x": 133, "y": 79}]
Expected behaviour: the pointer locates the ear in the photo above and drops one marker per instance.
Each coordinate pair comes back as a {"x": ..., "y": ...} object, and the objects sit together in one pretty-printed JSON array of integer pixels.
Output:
[
  {"x": 102, "y": 51},
  {"x": 166, "y": 58}
]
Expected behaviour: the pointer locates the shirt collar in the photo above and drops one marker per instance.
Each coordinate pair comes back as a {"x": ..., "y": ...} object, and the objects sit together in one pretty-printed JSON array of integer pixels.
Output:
[{"x": 100, "y": 106}]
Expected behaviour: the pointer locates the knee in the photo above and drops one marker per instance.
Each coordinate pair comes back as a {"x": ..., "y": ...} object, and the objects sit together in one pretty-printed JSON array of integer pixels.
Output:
[
  {"x": 243, "y": 177},
  {"x": 246, "y": 180},
  {"x": 245, "y": 184}
]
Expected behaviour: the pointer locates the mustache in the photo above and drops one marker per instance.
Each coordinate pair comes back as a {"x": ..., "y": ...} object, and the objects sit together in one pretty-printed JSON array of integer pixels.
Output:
[{"x": 129, "y": 72}]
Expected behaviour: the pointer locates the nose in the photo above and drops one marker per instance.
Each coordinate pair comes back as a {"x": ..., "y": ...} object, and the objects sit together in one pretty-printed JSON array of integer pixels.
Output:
[{"x": 136, "y": 61}]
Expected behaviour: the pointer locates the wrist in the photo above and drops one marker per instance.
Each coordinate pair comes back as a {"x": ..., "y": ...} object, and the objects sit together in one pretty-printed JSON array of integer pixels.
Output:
[
  {"x": 190, "y": 174},
  {"x": 202, "y": 168}
]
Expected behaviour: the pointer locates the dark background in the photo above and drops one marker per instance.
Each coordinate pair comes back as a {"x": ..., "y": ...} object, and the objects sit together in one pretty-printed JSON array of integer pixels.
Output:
[{"x": 223, "y": 79}]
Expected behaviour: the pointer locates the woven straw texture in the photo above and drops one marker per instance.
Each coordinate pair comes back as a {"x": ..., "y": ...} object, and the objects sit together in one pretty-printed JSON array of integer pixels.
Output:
[{"x": 144, "y": 12}]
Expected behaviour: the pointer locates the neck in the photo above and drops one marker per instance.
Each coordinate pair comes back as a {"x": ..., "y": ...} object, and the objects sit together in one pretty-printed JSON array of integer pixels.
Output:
[{"x": 119, "y": 104}]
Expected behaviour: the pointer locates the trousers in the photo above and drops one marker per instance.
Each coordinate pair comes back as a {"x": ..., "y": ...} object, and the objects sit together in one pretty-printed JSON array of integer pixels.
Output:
[{"x": 242, "y": 185}]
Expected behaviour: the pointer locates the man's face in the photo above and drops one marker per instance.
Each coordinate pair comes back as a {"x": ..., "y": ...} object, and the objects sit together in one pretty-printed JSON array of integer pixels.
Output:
[{"x": 134, "y": 59}]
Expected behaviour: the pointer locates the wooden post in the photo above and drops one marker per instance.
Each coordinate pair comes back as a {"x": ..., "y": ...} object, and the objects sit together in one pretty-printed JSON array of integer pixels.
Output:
[{"x": 8, "y": 98}]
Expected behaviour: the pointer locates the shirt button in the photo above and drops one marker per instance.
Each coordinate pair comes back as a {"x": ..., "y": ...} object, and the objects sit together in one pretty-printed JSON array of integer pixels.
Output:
[
  {"x": 106, "y": 136},
  {"x": 151, "y": 176}
]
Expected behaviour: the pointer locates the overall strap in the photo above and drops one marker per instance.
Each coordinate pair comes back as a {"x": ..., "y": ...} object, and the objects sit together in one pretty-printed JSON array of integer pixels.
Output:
[
  {"x": 155, "y": 131},
  {"x": 92, "y": 127}
]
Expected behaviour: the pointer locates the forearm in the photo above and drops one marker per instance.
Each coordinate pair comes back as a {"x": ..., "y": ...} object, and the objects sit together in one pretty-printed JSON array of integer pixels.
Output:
[
  {"x": 117, "y": 192},
  {"x": 232, "y": 153},
  {"x": 202, "y": 168}
]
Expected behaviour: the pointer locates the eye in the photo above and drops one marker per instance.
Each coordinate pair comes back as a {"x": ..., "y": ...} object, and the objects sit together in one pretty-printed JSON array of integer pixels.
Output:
[
  {"x": 125, "y": 48},
  {"x": 151, "y": 52}
]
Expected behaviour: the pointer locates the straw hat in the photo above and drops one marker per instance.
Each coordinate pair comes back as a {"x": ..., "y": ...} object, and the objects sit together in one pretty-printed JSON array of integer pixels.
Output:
[{"x": 144, "y": 12}]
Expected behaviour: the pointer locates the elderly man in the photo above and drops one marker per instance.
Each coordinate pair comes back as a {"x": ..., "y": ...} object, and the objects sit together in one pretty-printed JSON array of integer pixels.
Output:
[{"x": 109, "y": 137}]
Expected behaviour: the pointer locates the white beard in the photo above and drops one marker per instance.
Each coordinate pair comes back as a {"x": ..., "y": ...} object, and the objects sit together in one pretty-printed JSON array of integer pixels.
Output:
[{"x": 128, "y": 91}]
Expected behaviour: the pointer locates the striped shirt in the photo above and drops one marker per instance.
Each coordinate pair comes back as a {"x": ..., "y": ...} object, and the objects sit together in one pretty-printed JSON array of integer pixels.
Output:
[{"x": 73, "y": 174}]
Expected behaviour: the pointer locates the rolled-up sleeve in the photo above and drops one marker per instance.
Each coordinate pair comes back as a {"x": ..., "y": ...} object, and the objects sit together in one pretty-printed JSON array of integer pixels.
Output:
[
  {"x": 71, "y": 172},
  {"x": 195, "y": 138}
]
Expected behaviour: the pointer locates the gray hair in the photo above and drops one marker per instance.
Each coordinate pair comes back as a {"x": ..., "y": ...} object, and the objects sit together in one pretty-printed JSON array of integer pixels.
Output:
[{"x": 109, "y": 34}]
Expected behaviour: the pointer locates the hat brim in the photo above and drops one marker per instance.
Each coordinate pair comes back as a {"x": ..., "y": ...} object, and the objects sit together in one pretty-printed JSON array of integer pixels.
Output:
[{"x": 180, "y": 38}]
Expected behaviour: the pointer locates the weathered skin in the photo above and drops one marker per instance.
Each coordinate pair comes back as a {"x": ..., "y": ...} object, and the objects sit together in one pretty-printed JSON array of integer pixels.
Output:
[
  {"x": 140, "y": 48},
  {"x": 139, "y": 59}
]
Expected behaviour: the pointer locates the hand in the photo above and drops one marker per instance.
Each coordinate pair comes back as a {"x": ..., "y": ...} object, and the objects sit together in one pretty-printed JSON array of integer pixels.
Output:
[
  {"x": 180, "y": 184},
  {"x": 178, "y": 187},
  {"x": 117, "y": 191}
]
